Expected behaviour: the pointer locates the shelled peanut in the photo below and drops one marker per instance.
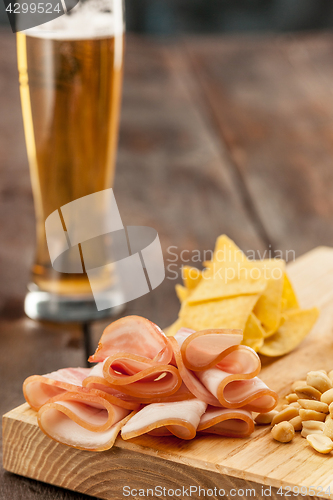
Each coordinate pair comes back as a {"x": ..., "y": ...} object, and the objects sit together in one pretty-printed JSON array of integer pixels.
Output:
[{"x": 309, "y": 409}]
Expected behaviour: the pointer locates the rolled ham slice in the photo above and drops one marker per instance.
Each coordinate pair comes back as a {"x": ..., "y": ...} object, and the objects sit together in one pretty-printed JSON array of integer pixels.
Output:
[
  {"x": 205, "y": 349},
  {"x": 96, "y": 380},
  {"x": 179, "y": 418},
  {"x": 234, "y": 392},
  {"x": 233, "y": 381},
  {"x": 237, "y": 423},
  {"x": 141, "y": 377},
  {"x": 83, "y": 421},
  {"x": 134, "y": 335},
  {"x": 192, "y": 383},
  {"x": 39, "y": 389}
]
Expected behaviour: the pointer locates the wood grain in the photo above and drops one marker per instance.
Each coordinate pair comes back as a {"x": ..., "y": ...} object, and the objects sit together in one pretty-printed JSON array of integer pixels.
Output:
[
  {"x": 271, "y": 101},
  {"x": 206, "y": 459},
  {"x": 172, "y": 172}
]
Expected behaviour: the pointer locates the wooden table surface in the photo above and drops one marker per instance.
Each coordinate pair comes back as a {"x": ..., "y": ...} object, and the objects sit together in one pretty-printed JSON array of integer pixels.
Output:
[{"x": 218, "y": 135}]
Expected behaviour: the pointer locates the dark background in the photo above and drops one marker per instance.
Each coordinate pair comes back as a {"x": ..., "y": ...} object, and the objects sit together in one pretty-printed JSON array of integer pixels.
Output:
[{"x": 170, "y": 17}]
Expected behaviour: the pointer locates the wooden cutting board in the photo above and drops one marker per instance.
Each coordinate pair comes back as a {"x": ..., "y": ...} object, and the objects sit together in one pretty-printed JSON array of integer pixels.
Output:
[{"x": 254, "y": 467}]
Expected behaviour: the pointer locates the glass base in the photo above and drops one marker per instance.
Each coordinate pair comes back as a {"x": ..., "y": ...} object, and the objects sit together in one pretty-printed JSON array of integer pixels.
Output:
[{"x": 77, "y": 309}]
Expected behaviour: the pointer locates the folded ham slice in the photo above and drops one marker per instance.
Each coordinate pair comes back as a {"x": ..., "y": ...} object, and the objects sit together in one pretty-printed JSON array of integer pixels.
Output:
[
  {"x": 96, "y": 380},
  {"x": 225, "y": 422},
  {"x": 190, "y": 380},
  {"x": 136, "y": 355},
  {"x": 39, "y": 389},
  {"x": 193, "y": 382},
  {"x": 234, "y": 392},
  {"x": 141, "y": 377},
  {"x": 83, "y": 421},
  {"x": 179, "y": 418},
  {"x": 134, "y": 335},
  {"x": 233, "y": 381},
  {"x": 205, "y": 349}
]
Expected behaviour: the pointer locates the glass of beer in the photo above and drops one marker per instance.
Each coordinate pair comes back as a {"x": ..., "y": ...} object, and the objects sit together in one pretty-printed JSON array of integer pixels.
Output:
[{"x": 70, "y": 72}]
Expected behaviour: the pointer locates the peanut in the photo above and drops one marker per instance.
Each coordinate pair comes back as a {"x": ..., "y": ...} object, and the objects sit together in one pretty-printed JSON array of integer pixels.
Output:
[
  {"x": 311, "y": 404},
  {"x": 283, "y": 432},
  {"x": 291, "y": 405},
  {"x": 286, "y": 414},
  {"x": 296, "y": 422},
  {"x": 320, "y": 443},
  {"x": 265, "y": 418},
  {"x": 308, "y": 392},
  {"x": 311, "y": 415},
  {"x": 330, "y": 376},
  {"x": 328, "y": 428},
  {"x": 291, "y": 398},
  {"x": 312, "y": 427},
  {"x": 295, "y": 405},
  {"x": 327, "y": 397},
  {"x": 297, "y": 383},
  {"x": 331, "y": 409},
  {"x": 319, "y": 381}
]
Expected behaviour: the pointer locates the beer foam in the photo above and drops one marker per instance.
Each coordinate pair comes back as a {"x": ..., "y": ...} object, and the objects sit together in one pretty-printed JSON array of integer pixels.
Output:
[{"x": 89, "y": 19}]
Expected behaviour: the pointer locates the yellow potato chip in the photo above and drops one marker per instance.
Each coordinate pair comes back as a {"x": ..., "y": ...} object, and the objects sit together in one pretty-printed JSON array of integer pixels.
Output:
[
  {"x": 227, "y": 251},
  {"x": 226, "y": 313},
  {"x": 268, "y": 307},
  {"x": 253, "y": 333},
  {"x": 182, "y": 292},
  {"x": 229, "y": 280},
  {"x": 235, "y": 292},
  {"x": 171, "y": 330},
  {"x": 191, "y": 276},
  {"x": 289, "y": 299},
  {"x": 296, "y": 327}
]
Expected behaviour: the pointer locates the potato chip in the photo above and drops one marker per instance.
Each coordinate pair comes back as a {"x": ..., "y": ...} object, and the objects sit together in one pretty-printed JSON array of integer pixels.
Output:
[
  {"x": 297, "y": 325},
  {"x": 289, "y": 299},
  {"x": 235, "y": 292},
  {"x": 229, "y": 280},
  {"x": 268, "y": 307},
  {"x": 253, "y": 333},
  {"x": 182, "y": 292},
  {"x": 226, "y": 313},
  {"x": 191, "y": 276},
  {"x": 227, "y": 251}
]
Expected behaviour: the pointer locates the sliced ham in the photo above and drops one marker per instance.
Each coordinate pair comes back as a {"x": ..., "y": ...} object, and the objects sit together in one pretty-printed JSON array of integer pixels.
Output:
[
  {"x": 232, "y": 382},
  {"x": 234, "y": 392},
  {"x": 39, "y": 389},
  {"x": 141, "y": 377},
  {"x": 134, "y": 335},
  {"x": 179, "y": 418},
  {"x": 190, "y": 380},
  {"x": 83, "y": 421},
  {"x": 96, "y": 380},
  {"x": 205, "y": 349},
  {"x": 226, "y": 422},
  {"x": 137, "y": 355}
]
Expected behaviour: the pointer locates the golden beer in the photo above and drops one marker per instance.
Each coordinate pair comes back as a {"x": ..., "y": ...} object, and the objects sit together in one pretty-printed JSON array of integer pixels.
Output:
[{"x": 71, "y": 95}]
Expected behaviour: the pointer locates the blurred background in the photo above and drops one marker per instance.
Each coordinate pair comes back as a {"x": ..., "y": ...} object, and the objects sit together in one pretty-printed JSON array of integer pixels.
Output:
[{"x": 170, "y": 17}]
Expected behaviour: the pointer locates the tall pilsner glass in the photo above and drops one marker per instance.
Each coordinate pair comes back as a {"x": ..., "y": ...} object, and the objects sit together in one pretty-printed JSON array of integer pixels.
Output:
[{"x": 70, "y": 72}]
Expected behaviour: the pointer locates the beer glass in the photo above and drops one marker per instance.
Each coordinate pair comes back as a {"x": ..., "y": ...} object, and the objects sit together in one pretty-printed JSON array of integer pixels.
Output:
[{"x": 70, "y": 72}]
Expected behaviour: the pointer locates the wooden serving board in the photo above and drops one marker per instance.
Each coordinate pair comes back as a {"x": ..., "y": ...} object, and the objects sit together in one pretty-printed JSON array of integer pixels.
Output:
[{"x": 243, "y": 468}]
